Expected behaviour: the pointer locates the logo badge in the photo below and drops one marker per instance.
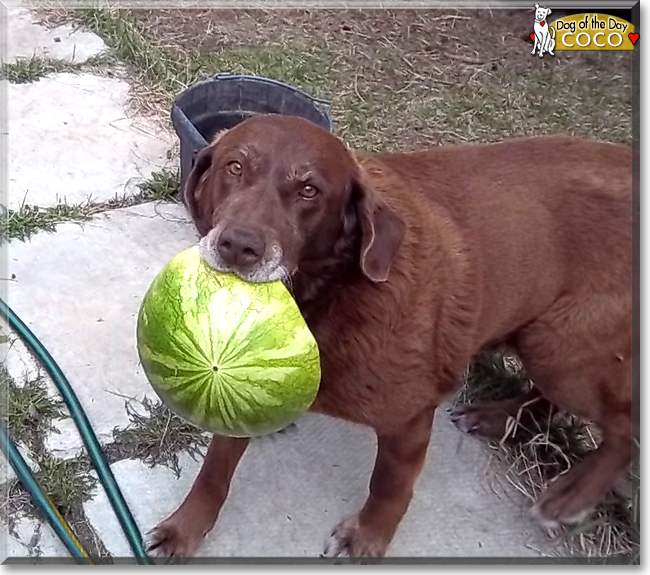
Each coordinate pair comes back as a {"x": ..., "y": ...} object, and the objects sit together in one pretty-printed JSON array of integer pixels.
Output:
[
  {"x": 543, "y": 35},
  {"x": 580, "y": 32}
]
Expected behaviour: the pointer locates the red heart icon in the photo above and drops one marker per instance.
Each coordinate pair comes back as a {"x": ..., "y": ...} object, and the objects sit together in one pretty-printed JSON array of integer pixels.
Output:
[
  {"x": 633, "y": 37},
  {"x": 542, "y": 23},
  {"x": 532, "y": 36}
]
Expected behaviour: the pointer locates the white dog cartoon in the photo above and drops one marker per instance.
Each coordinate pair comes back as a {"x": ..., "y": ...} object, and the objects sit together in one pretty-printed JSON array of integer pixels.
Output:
[{"x": 544, "y": 34}]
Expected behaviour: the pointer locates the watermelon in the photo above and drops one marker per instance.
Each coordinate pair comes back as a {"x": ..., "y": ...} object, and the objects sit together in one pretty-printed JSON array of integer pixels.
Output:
[{"x": 232, "y": 357}]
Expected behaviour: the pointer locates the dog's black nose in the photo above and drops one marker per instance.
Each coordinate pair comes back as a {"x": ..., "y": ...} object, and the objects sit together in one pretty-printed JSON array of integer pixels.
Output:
[{"x": 241, "y": 247}]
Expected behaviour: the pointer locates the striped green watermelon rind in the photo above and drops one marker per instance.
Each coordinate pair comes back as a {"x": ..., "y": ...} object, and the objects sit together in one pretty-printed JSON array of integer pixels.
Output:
[{"x": 232, "y": 357}]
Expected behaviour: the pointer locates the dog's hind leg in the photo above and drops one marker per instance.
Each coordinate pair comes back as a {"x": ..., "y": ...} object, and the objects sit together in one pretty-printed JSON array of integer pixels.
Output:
[
  {"x": 491, "y": 419},
  {"x": 581, "y": 361},
  {"x": 573, "y": 495},
  {"x": 551, "y": 42}
]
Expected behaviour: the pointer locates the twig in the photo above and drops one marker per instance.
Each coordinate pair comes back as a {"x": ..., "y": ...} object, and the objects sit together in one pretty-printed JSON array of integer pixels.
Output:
[
  {"x": 466, "y": 59},
  {"x": 449, "y": 17}
]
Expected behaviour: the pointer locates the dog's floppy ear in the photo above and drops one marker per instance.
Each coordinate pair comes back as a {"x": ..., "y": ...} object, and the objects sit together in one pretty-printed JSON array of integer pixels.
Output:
[
  {"x": 548, "y": 11},
  {"x": 382, "y": 230},
  {"x": 195, "y": 194},
  {"x": 536, "y": 6}
]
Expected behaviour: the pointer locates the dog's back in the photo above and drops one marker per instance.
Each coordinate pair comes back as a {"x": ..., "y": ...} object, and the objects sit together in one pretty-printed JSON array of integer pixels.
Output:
[{"x": 539, "y": 216}]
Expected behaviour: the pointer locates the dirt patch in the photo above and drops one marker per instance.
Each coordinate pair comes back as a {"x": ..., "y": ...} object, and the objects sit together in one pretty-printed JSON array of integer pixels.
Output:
[{"x": 403, "y": 79}]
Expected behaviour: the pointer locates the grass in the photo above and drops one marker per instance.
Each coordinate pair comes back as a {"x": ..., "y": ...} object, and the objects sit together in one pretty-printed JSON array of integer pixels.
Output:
[
  {"x": 67, "y": 482},
  {"x": 309, "y": 70},
  {"x": 28, "y": 410},
  {"x": 26, "y": 70},
  {"x": 401, "y": 79},
  {"x": 160, "y": 73},
  {"x": 161, "y": 185},
  {"x": 413, "y": 65},
  {"x": 540, "y": 453},
  {"x": 132, "y": 45},
  {"x": 156, "y": 436},
  {"x": 28, "y": 219}
]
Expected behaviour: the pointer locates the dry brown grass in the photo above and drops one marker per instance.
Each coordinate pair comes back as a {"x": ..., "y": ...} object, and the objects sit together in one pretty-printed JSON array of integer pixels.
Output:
[
  {"x": 403, "y": 79},
  {"x": 528, "y": 459}
]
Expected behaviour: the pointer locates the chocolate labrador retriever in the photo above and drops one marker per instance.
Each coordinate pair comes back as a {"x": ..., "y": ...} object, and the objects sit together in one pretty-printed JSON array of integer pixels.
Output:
[{"x": 405, "y": 266}]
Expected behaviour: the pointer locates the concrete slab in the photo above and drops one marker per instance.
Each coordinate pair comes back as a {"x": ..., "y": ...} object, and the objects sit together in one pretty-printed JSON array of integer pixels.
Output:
[
  {"x": 6, "y": 471},
  {"x": 21, "y": 366},
  {"x": 64, "y": 442},
  {"x": 11, "y": 547},
  {"x": 79, "y": 291},
  {"x": 26, "y": 38},
  {"x": 16, "y": 358},
  {"x": 291, "y": 489},
  {"x": 31, "y": 538},
  {"x": 70, "y": 137}
]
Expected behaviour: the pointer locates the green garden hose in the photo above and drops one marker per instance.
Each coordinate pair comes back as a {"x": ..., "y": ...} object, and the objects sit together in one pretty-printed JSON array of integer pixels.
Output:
[
  {"x": 104, "y": 472},
  {"x": 40, "y": 498}
]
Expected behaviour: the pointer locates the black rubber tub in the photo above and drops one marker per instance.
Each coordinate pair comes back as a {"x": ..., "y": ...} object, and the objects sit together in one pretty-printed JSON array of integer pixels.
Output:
[{"x": 224, "y": 100}]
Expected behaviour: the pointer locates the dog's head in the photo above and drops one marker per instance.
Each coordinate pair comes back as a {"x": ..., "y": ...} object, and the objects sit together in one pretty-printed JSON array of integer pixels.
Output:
[
  {"x": 541, "y": 13},
  {"x": 277, "y": 193}
]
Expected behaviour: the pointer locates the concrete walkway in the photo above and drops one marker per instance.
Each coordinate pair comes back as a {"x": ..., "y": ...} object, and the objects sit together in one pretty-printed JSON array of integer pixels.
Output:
[{"x": 79, "y": 289}]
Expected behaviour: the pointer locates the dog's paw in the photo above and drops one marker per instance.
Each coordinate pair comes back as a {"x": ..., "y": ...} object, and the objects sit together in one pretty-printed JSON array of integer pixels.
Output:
[
  {"x": 348, "y": 539},
  {"x": 551, "y": 520},
  {"x": 167, "y": 541},
  {"x": 484, "y": 420},
  {"x": 465, "y": 418},
  {"x": 562, "y": 503}
]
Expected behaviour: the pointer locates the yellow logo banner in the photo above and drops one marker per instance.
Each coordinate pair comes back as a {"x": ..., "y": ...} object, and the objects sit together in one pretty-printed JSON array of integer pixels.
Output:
[{"x": 593, "y": 32}]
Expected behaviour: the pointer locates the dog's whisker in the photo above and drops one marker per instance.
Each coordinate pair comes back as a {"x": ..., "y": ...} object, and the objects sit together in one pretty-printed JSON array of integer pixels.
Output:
[{"x": 287, "y": 280}]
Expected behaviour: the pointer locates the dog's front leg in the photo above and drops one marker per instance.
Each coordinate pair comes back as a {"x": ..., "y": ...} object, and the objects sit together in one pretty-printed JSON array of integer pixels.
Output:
[
  {"x": 535, "y": 44},
  {"x": 542, "y": 45},
  {"x": 182, "y": 532},
  {"x": 400, "y": 457}
]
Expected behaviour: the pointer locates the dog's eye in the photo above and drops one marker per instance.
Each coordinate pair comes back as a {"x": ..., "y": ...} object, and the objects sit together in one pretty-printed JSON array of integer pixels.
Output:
[
  {"x": 234, "y": 168},
  {"x": 308, "y": 192}
]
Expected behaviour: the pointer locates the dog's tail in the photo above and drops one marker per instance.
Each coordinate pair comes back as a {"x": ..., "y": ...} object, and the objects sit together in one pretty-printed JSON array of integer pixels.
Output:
[{"x": 552, "y": 31}]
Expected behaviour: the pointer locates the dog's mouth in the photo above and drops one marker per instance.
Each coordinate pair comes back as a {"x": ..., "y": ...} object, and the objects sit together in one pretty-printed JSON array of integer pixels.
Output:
[{"x": 268, "y": 269}]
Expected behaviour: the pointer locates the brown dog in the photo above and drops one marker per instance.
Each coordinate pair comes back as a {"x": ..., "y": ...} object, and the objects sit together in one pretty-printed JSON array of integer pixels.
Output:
[{"x": 405, "y": 266}]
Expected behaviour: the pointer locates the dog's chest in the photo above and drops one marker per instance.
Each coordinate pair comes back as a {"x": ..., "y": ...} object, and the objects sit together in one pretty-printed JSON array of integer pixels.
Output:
[
  {"x": 541, "y": 27},
  {"x": 373, "y": 367}
]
